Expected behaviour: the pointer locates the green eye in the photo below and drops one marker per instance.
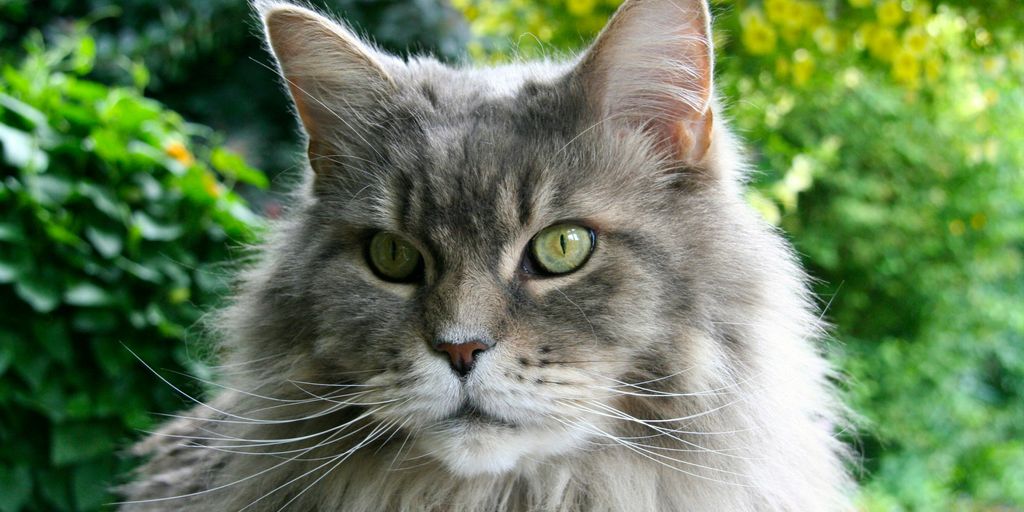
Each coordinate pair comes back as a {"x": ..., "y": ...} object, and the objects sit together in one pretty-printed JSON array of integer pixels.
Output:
[
  {"x": 393, "y": 258},
  {"x": 562, "y": 248}
]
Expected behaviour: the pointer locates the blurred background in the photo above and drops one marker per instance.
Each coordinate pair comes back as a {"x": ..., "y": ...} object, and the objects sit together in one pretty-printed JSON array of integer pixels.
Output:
[{"x": 143, "y": 143}]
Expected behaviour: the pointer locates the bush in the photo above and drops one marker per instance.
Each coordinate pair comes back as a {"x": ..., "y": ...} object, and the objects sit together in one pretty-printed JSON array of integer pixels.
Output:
[
  {"x": 888, "y": 139},
  {"x": 116, "y": 218}
]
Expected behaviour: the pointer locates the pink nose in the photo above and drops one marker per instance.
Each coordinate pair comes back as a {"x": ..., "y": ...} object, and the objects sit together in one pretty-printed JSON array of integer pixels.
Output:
[{"x": 462, "y": 355}]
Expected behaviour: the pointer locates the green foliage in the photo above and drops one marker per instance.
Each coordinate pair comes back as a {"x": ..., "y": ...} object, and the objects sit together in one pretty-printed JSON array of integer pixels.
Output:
[
  {"x": 115, "y": 220},
  {"x": 888, "y": 138}
]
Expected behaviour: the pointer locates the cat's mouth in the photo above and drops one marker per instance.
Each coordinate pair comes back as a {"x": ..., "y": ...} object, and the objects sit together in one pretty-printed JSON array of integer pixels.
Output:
[{"x": 473, "y": 415}]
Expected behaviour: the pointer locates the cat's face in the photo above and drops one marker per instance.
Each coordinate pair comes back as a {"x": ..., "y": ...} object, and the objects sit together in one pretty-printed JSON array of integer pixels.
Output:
[{"x": 490, "y": 255}]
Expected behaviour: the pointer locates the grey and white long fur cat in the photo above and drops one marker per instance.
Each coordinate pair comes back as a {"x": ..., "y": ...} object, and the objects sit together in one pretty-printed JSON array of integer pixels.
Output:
[{"x": 413, "y": 340}]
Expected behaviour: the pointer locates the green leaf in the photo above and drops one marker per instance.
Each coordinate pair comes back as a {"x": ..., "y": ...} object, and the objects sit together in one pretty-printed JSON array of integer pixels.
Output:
[
  {"x": 232, "y": 165},
  {"x": 107, "y": 144},
  {"x": 7, "y": 342},
  {"x": 103, "y": 200},
  {"x": 87, "y": 92},
  {"x": 84, "y": 56},
  {"x": 53, "y": 336},
  {"x": 49, "y": 188},
  {"x": 55, "y": 487},
  {"x": 78, "y": 441},
  {"x": 8, "y": 272},
  {"x": 21, "y": 150},
  {"x": 87, "y": 295},
  {"x": 107, "y": 243},
  {"x": 90, "y": 484},
  {"x": 26, "y": 111},
  {"x": 152, "y": 230},
  {"x": 112, "y": 357},
  {"x": 140, "y": 271},
  {"x": 140, "y": 75},
  {"x": 11, "y": 232},
  {"x": 15, "y": 487},
  {"x": 39, "y": 292},
  {"x": 94, "y": 320},
  {"x": 50, "y": 399},
  {"x": 32, "y": 364}
]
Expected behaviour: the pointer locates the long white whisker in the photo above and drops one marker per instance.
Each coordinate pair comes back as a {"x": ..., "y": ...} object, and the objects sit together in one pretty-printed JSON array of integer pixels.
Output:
[
  {"x": 594, "y": 430},
  {"x": 289, "y": 482},
  {"x": 219, "y": 487}
]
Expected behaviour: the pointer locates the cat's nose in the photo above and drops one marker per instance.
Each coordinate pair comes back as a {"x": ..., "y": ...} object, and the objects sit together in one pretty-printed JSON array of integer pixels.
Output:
[{"x": 462, "y": 355}]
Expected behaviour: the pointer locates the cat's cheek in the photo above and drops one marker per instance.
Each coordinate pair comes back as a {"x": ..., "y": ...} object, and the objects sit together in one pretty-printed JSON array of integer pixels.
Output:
[{"x": 474, "y": 450}]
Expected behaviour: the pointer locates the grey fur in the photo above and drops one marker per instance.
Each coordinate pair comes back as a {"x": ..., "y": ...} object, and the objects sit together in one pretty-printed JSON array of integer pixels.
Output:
[{"x": 677, "y": 370}]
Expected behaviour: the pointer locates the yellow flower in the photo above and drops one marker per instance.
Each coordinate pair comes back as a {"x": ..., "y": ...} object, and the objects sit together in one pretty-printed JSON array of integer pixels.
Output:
[
  {"x": 994, "y": 65},
  {"x": 210, "y": 185},
  {"x": 932, "y": 68},
  {"x": 803, "y": 66},
  {"x": 580, "y": 7},
  {"x": 906, "y": 69},
  {"x": 758, "y": 36},
  {"x": 882, "y": 43},
  {"x": 991, "y": 97},
  {"x": 890, "y": 13},
  {"x": 978, "y": 221},
  {"x": 860, "y": 3},
  {"x": 782, "y": 67},
  {"x": 813, "y": 15},
  {"x": 916, "y": 41},
  {"x": 982, "y": 37},
  {"x": 1016, "y": 55},
  {"x": 957, "y": 227},
  {"x": 798, "y": 16},
  {"x": 826, "y": 38},
  {"x": 177, "y": 150},
  {"x": 920, "y": 14},
  {"x": 778, "y": 11}
]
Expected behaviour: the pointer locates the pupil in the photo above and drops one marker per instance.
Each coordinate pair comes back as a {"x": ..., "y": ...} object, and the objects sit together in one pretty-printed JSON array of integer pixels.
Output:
[
  {"x": 394, "y": 250},
  {"x": 561, "y": 240}
]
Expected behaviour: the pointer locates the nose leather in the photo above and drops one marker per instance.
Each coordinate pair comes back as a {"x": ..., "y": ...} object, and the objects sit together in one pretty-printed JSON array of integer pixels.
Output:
[{"x": 462, "y": 356}]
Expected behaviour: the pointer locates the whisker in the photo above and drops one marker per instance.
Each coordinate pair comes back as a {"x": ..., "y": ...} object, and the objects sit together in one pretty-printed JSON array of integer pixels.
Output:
[
  {"x": 293, "y": 480},
  {"x": 594, "y": 430},
  {"x": 219, "y": 487}
]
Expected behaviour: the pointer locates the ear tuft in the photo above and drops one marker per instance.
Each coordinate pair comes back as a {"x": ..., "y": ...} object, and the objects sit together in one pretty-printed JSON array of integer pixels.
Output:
[
  {"x": 651, "y": 68},
  {"x": 334, "y": 78}
]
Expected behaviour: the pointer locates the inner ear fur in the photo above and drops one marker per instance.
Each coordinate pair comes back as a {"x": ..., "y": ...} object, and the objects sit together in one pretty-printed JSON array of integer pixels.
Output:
[
  {"x": 652, "y": 68},
  {"x": 333, "y": 77}
]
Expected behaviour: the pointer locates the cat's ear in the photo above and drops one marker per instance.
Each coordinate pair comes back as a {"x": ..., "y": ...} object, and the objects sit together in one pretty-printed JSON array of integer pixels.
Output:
[
  {"x": 334, "y": 78},
  {"x": 651, "y": 68}
]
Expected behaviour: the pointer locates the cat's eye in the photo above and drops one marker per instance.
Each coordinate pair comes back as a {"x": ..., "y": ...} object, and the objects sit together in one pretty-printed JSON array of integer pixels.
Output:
[
  {"x": 561, "y": 248},
  {"x": 393, "y": 258}
]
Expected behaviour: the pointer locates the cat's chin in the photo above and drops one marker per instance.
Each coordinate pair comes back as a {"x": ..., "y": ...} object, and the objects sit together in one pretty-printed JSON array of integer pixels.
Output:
[{"x": 470, "y": 448}]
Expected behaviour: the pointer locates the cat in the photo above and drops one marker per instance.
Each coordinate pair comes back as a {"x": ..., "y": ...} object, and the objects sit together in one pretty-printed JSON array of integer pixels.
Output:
[{"x": 533, "y": 287}]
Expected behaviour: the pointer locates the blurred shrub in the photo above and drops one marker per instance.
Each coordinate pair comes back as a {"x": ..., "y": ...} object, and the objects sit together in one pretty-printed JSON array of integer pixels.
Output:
[
  {"x": 888, "y": 140},
  {"x": 114, "y": 217}
]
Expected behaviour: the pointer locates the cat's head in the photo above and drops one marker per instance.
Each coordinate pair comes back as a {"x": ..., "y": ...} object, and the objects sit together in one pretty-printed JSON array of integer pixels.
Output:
[{"x": 493, "y": 255}]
